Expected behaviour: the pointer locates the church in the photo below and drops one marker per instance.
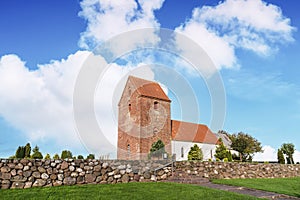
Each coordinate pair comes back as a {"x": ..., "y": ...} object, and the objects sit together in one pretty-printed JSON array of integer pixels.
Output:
[{"x": 145, "y": 117}]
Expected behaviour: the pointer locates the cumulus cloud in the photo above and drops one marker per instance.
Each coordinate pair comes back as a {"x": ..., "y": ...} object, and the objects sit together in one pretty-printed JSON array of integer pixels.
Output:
[
  {"x": 270, "y": 154},
  {"x": 106, "y": 19},
  {"x": 247, "y": 24},
  {"x": 40, "y": 102}
]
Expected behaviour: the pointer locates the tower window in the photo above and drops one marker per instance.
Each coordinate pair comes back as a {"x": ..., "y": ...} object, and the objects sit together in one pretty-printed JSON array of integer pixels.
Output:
[
  {"x": 129, "y": 107},
  {"x": 128, "y": 150},
  {"x": 155, "y": 131},
  {"x": 155, "y": 105},
  {"x": 182, "y": 152}
]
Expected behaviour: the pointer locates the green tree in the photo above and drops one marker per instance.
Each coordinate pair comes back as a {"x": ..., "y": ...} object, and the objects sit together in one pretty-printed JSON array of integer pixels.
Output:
[
  {"x": 80, "y": 157},
  {"x": 195, "y": 153},
  {"x": 27, "y": 150},
  {"x": 90, "y": 156},
  {"x": 56, "y": 157},
  {"x": 288, "y": 149},
  {"x": 20, "y": 153},
  {"x": 229, "y": 156},
  {"x": 47, "y": 157},
  {"x": 157, "y": 149},
  {"x": 36, "y": 153},
  {"x": 246, "y": 145},
  {"x": 280, "y": 157},
  {"x": 66, "y": 154},
  {"x": 221, "y": 150}
]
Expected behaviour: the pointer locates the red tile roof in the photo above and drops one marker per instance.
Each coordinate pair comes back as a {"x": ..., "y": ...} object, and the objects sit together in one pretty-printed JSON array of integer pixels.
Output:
[
  {"x": 149, "y": 88},
  {"x": 189, "y": 132}
]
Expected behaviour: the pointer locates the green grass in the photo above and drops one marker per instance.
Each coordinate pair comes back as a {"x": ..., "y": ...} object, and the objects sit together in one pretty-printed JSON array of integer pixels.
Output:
[
  {"x": 289, "y": 186},
  {"x": 130, "y": 191}
]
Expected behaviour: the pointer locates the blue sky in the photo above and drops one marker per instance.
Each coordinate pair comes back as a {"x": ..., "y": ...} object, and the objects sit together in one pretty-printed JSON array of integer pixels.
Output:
[{"x": 41, "y": 44}]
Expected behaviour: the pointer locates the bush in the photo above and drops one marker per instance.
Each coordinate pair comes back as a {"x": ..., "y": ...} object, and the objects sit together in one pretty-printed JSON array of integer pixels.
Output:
[
  {"x": 66, "y": 154},
  {"x": 47, "y": 157},
  {"x": 90, "y": 156},
  {"x": 157, "y": 149},
  {"x": 195, "y": 153},
  {"x": 56, "y": 157},
  {"x": 225, "y": 160}
]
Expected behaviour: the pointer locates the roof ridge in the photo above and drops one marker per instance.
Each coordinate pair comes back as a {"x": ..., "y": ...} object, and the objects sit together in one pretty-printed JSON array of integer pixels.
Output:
[{"x": 189, "y": 122}]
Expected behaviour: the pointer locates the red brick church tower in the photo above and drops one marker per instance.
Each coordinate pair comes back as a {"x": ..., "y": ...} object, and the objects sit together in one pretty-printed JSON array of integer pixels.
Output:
[{"x": 144, "y": 118}]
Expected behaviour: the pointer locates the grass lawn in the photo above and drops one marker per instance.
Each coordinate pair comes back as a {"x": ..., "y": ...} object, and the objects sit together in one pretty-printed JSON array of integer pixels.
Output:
[
  {"x": 289, "y": 186},
  {"x": 122, "y": 191}
]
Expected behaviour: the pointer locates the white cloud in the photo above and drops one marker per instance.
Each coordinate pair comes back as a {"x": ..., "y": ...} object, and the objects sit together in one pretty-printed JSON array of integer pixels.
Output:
[
  {"x": 40, "y": 102},
  {"x": 249, "y": 24},
  {"x": 106, "y": 19},
  {"x": 270, "y": 154}
]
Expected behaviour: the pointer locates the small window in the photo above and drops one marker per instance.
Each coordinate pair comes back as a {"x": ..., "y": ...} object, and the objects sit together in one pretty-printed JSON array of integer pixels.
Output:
[
  {"x": 128, "y": 150},
  {"x": 155, "y": 105},
  {"x": 155, "y": 131},
  {"x": 182, "y": 152},
  {"x": 129, "y": 107}
]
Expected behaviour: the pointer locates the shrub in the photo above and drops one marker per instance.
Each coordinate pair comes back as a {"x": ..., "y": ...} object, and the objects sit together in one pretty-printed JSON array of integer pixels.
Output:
[
  {"x": 157, "y": 149},
  {"x": 56, "y": 156},
  {"x": 90, "y": 156},
  {"x": 195, "y": 153},
  {"x": 47, "y": 157},
  {"x": 66, "y": 154},
  {"x": 36, "y": 153}
]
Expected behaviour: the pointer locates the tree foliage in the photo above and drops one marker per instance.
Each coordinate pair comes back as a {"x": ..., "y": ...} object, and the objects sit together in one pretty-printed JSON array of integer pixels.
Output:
[
  {"x": 23, "y": 151},
  {"x": 47, "y": 156},
  {"x": 222, "y": 152},
  {"x": 20, "y": 153},
  {"x": 90, "y": 156},
  {"x": 66, "y": 154},
  {"x": 36, "y": 153},
  {"x": 80, "y": 157},
  {"x": 280, "y": 157},
  {"x": 195, "y": 153},
  {"x": 56, "y": 156},
  {"x": 246, "y": 145},
  {"x": 27, "y": 150},
  {"x": 157, "y": 149},
  {"x": 288, "y": 149}
]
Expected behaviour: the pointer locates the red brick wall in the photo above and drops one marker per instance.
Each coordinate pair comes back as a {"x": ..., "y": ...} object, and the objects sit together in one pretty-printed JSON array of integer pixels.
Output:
[{"x": 142, "y": 125}]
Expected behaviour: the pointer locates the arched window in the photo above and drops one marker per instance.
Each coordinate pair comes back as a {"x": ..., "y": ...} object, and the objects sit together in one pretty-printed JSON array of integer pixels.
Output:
[
  {"x": 129, "y": 91},
  {"x": 128, "y": 150},
  {"x": 155, "y": 131},
  {"x": 182, "y": 152},
  {"x": 129, "y": 107},
  {"x": 155, "y": 105}
]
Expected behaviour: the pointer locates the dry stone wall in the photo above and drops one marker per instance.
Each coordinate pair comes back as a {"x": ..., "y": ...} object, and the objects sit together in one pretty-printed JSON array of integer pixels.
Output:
[
  {"x": 220, "y": 170},
  {"x": 38, "y": 173},
  {"x": 41, "y": 173}
]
